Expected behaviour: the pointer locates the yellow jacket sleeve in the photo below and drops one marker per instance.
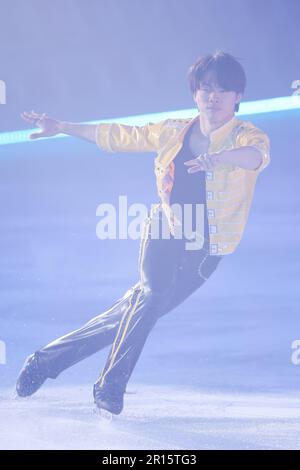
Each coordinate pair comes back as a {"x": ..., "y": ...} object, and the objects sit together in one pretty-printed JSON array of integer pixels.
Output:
[
  {"x": 252, "y": 136},
  {"x": 123, "y": 138}
]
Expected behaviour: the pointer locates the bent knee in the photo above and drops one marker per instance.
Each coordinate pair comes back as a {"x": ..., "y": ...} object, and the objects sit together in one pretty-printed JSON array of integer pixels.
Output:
[{"x": 155, "y": 292}]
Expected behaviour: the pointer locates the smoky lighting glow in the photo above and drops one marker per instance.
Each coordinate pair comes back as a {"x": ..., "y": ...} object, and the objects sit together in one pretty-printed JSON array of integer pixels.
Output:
[{"x": 247, "y": 108}]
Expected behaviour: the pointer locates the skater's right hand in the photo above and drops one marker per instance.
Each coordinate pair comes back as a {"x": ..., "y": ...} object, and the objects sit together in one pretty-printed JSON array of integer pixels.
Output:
[{"x": 49, "y": 127}]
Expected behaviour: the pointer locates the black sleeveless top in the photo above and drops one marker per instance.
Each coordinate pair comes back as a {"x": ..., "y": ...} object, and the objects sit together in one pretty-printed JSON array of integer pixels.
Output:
[{"x": 189, "y": 188}]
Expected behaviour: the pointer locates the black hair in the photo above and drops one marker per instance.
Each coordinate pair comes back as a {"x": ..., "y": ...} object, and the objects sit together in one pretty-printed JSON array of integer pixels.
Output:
[{"x": 227, "y": 70}]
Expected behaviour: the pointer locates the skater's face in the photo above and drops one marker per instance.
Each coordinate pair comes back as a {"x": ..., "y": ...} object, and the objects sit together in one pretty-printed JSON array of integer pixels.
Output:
[{"x": 217, "y": 104}]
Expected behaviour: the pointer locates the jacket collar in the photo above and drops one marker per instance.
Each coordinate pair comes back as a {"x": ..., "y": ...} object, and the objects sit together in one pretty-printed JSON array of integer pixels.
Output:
[{"x": 214, "y": 135}]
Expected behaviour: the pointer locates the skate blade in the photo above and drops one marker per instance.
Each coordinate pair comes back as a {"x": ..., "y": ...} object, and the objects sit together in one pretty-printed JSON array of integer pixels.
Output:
[
  {"x": 103, "y": 414},
  {"x": 14, "y": 395}
]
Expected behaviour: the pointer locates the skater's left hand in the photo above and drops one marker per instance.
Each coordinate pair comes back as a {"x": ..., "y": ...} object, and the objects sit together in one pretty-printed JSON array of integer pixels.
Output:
[{"x": 203, "y": 162}]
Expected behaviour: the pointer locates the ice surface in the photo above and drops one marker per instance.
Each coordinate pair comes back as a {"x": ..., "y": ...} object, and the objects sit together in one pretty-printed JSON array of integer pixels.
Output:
[{"x": 155, "y": 417}]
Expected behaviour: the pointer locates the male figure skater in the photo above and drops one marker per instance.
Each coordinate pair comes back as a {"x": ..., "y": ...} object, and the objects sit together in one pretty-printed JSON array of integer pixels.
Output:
[{"x": 212, "y": 160}]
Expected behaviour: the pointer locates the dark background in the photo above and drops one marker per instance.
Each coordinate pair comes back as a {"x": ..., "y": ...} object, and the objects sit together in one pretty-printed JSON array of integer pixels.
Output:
[{"x": 79, "y": 60}]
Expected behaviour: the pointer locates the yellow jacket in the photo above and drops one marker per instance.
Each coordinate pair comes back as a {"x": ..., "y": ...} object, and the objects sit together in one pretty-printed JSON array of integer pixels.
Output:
[{"x": 229, "y": 189}]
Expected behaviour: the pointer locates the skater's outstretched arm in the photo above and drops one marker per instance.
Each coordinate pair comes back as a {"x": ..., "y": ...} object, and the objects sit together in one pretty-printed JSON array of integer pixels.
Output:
[
  {"x": 112, "y": 137},
  {"x": 50, "y": 127}
]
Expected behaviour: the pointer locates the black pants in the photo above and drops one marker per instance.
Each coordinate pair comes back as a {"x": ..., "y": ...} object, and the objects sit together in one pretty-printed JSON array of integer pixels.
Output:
[{"x": 168, "y": 274}]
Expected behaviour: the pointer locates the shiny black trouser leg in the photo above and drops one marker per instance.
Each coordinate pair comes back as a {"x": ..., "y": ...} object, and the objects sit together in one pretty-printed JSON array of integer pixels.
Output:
[{"x": 168, "y": 274}]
